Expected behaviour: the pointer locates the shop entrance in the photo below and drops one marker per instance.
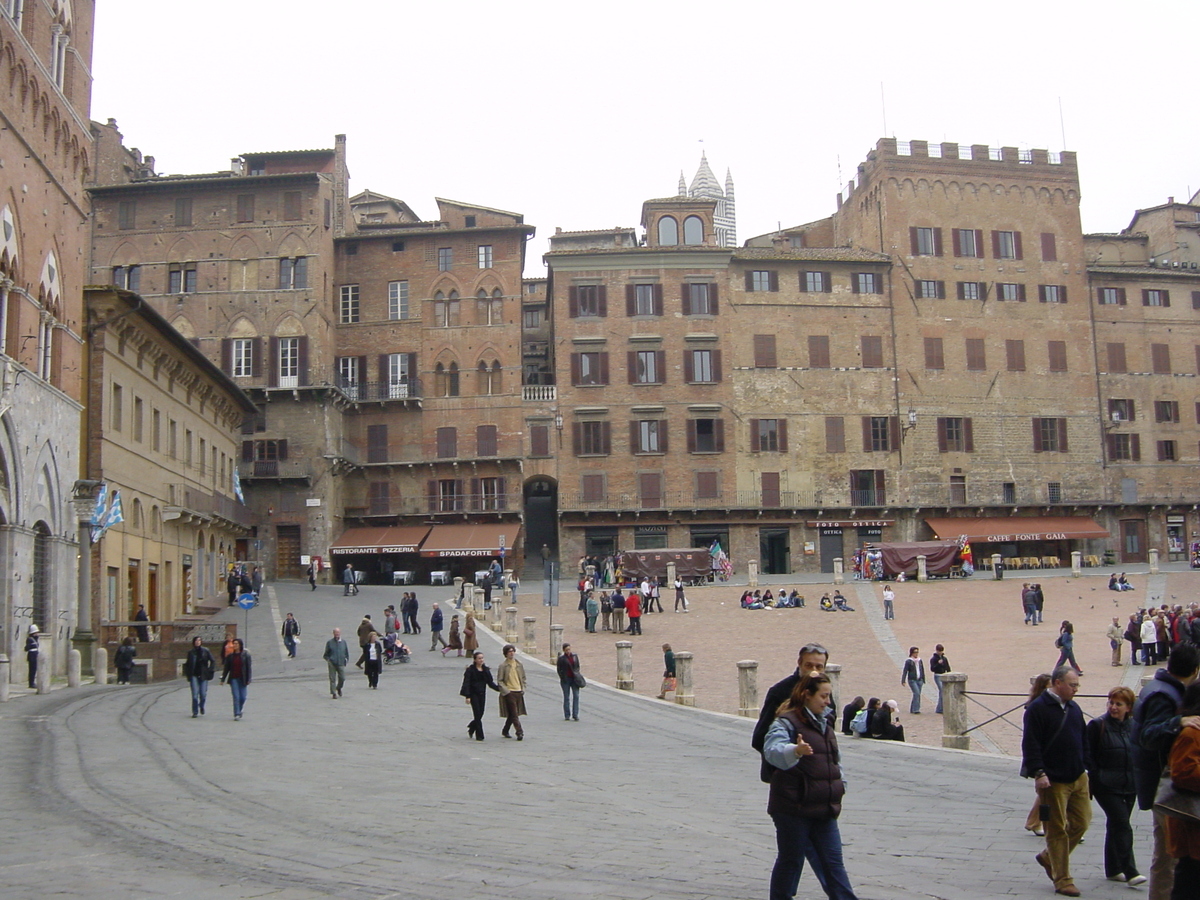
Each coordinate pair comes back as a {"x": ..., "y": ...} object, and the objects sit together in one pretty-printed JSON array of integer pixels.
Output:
[
  {"x": 831, "y": 547},
  {"x": 775, "y": 551}
]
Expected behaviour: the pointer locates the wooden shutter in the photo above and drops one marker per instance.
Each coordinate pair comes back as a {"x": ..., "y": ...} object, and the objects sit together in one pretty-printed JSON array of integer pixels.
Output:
[
  {"x": 662, "y": 435},
  {"x": 956, "y": 240},
  {"x": 576, "y": 437},
  {"x": 979, "y": 243},
  {"x": 818, "y": 351},
  {"x": 660, "y": 365},
  {"x": 1130, "y": 406},
  {"x": 1062, "y": 293},
  {"x": 539, "y": 440},
  {"x": 1166, "y": 298},
  {"x": 658, "y": 299},
  {"x": 893, "y": 433},
  {"x": 941, "y": 435},
  {"x": 1021, "y": 292},
  {"x": 691, "y": 431},
  {"x": 485, "y": 440},
  {"x": 1037, "y": 435},
  {"x": 773, "y": 280},
  {"x": 995, "y": 245},
  {"x": 1195, "y": 299},
  {"x": 281, "y": 448},
  {"x": 257, "y": 352},
  {"x": 719, "y": 435},
  {"x": 630, "y": 300},
  {"x": 274, "y": 362},
  {"x": 302, "y": 359},
  {"x": 602, "y": 301},
  {"x": 754, "y": 435},
  {"x": 716, "y": 365},
  {"x": 934, "y": 357},
  {"x": 1049, "y": 250},
  {"x": 573, "y": 302},
  {"x": 632, "y": 365},
  {"x": 937, "y": 242},
  {"x": 383, "y": 373},
  {"x": 835, "y": 434},
  {"x": 968, "y": 436},
  {"x": 1057, "y": 351},
  {"x": 866, "y": 434},
  {"x": 226, "y": 355},
  {"x": 688, "y": 368},
  {"x": 1017, "y": 249},
  {"x": 248, "y": 446},
  {"x": 1160, "y": 355},
  {"x": 764, "y": 351},
  {"x": 1062, "y": 435},
  {"x": 685, "y": 297},
  {"x": 606, "y": 437},
  {"x": 635, "y": 443},
  {"x": 781, "y": 430},
  {"x": 712, "y": 298},
  {"x": 431, "y": 491},
  {"x": 1116, "y": 357},
  {"x": 1135, "y": 447},
  {"x": 913, "y": 243},
  {"x": 749, "y": 280},
  {"x": 880, "y": 499},
  {"x": 473, "y": 502},
  {"x": 501, "y": 493},
  {"x": 604, "y": 368},
  {"x": 575, "y": 369}
]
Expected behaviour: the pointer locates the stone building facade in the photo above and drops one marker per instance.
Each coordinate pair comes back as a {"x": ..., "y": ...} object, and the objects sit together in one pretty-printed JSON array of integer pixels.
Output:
[{"x": 46, "y": 156}]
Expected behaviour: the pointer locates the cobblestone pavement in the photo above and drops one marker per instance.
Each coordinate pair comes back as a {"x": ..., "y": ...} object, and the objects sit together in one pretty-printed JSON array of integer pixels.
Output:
[{"x": 118, "y": 792}]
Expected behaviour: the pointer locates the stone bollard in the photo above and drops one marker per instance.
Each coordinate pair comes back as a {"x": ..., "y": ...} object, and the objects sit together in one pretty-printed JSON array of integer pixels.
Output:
[
  {"x": 100, "y": 664},
  {"x": 510, "y": 625},
  {"x": 834, "y": 672},
  {"x": 1076, "y": 563},
  {"x": 922, "y": 569},
  {"x": 530, "y": 635},
  {"x": 497, "y": 612},
  {"x": 839, "y": 570},
  {"x": 458, "y": 583},
  {"x": 997, "y": 567},
  {"x": 684, "y": 694},
  {"x": 752, "y": 572},
  {"x": 556, "y": 641},
  {"x": 45, "y": 665},
  {"x": 74, "y": 666},
  {"x": 671, "y": 571},
  {"x": 477, "y": 601},
  {"x": 1153, "y": 561},
  {"x": 748, "y": 688},
  {"x": 4, "y": 675},
  {"x": 954, "y": 709},
  {"x": 624, "y": 665}
]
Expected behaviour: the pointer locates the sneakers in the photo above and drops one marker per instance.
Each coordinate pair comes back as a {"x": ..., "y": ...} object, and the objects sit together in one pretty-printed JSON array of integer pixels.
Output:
[{"x": 1137, "y": 880}]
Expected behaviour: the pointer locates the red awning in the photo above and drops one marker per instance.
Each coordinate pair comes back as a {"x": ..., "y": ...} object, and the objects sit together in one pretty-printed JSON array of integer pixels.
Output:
[
  {"x": 390, "y": 539},
  {"x": 1011, "y": 529},
  {"x": 470, "y": 539}
]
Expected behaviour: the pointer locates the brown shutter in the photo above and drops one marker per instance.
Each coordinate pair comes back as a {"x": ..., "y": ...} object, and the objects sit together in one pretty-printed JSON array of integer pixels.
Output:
[
  {"x": 691, "y": 431},
  {"x": 660, "y": 364},
  {"x": 274, "y": 362},
  {"x": 782, "y": 430},
  {"x": 662, "y": 435},
  {"x": 1017, "y": 245},
  {"x": 1135, "y": 447},
  {"x": 961, "y": 290},
  {"x": 227, "y": 355},
  {"x": 1021, "y": 292},
  {"x": 632, "y": 365},
  {"x": 880, "y": 499},
  {"x": 866, "y": 434},
  {"x": 431, "y": 491},
  {"x": 635, "y": 445},
  {"x": 281, "y": 449},
  {"x": 764, "y": 351},
  {"x": 712, "y": 298},
  {"x": 1111, "y": 441},
  {"x": 685, "y": 297},
  {"x": 1062, "y": 435},
  {"x": 716, "y": 365},
  {"x": 248, "y": 446},
  {"x": 1121, "y": 297},
  {"x": 688, "y": 369},
  {"x": 995, "y": 245},
  {"x": 835, "y": 434},
  {"x": 575, "y": 374},
  {"x": 937, "y": 242},
  {"x": 749, "y": 280},
  {"x": 604, "y": 368},
  {"x": 954, "y": 239},
  {"x": 658, "y": 299},
  {"x": 914, "y": 247},
  {"x": 1166, "y": 298},
  {"x": 773, "y": 280},
  {"x": 573, "y": 302},
  {"x": 606, "y": 437},
  {"x": 630, "y": 300},
  {"x": 302, "y": 359},
  {"x": 754, "y": 446},
  {"x": 968, "y": 436},
  {"x": 1037, "y": 435},
  {"x": 1062, "y": 293},
  {"x": 539, "y": 440},
  {"x": 1049, "y": 250},
  {"x": 383, "y": 373},
  {"x": 719, "y": 435},
  {"x": 893, "y": 433},
  {"x": 979, "y": 243},
  {"x": 576, "y": 437},
  {"x": 257, "y": 352},
  {"x": 941, "y": 435},
  {"x": 827, "y": 282},
  {"x": 602, "y": 292},
  {"x": 1131, "y": 410},
  {"x": 1195, "y": 299}
]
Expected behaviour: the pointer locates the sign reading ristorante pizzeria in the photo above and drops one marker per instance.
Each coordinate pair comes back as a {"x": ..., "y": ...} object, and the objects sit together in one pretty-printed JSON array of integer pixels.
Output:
[{"x": 394, "y": 548}]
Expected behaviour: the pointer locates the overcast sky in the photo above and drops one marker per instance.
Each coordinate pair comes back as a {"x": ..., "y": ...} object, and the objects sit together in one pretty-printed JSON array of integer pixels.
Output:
[{"x": 574, "y": 118}]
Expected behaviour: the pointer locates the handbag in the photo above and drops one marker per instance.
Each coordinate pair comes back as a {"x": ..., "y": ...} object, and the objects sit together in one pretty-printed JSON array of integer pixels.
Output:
[
  {"x": 580, "y": 681},
  {"x": 1177, "y": 803},
  {"x": 668, "y": 684}
]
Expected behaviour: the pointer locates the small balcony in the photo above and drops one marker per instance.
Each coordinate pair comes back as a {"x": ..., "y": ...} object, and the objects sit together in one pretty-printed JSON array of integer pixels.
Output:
[
  {"x": 190, "y": 503},
  {"x": 397, "y": 389},
  {"x": 539, "y": 393}
]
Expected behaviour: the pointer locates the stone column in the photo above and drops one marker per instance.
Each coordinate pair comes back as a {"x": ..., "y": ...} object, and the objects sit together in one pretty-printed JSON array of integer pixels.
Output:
[
  {"x": 839, "y": 570},
  {"x": 670, "y": 576},
  {"x": 84, "y": 502},
  {"x": 497, "y": 612},
  {"x": 684, "y": 695},
  {"x": 458, "y": 582},
  {"x": 748, "y": 688},
  {"x": 530, "y": 635},
  {"x": 1153, "y": 560},
  {"x": 74, "y": 661},
  {"x": 954, "y": 711},
  {"x": 752, "y": 572},
  {"x": 45, "y": 664},
  {"x": 1076, "y": 563},
  {"x": 997, "y": 562},
  {"x": 922, "y": 569},
  {"x": 507, "y": 577},
  {"x": 555, "y": 641},
  {"x": 625, "y": 665},
  {"x": 4, "y": 676},
  {"x": 510, "y": 625},
  {"x": 477, "y": 601},
  {"x": 834, "y": 671},
  {"x": 100, "y": 664}
]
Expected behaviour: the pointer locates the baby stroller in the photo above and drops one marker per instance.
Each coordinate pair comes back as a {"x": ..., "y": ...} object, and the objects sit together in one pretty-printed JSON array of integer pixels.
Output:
[{"x": 395, "y": 650}]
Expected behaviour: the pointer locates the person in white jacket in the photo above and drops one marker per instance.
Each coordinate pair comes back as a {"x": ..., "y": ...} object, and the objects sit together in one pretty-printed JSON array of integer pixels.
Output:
[{"x": 1149, "y": 642}]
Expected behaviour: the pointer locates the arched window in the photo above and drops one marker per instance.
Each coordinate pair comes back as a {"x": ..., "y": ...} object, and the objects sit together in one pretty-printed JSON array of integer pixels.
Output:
[
  {"x": 483, "y": 379},
  {"x": 497, "y": 387},
  {"x": 439, "y": 310},
  {"x": 452, "y": 389},
  {"x": 482, "y": 307},
  {"x": 668, "y": 232},
  {"x": 439, "y": 380},
  {"x": 693, "y": 230},
  {"x": 452, "y": 315},
  {"x": 41, "y": 578}
]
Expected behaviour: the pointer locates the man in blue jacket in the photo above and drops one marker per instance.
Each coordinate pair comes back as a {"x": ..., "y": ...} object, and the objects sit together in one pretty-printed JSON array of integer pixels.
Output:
[
  {"x": 1052, "y": 751},
  {"x": 1156, "y": 723}
]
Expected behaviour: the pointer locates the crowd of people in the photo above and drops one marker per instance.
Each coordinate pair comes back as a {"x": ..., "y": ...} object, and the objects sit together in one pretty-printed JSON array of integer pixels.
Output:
[{"x": 1153, "y": 631}]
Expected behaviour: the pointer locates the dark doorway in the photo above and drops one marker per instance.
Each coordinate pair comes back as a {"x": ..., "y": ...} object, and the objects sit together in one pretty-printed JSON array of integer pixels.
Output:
[
  {"x": 1133, "y": 541},
  {"x": 775, "y": 551},
  {"x": 541, "y": 518},
  {"x": 831, "y": 547}
]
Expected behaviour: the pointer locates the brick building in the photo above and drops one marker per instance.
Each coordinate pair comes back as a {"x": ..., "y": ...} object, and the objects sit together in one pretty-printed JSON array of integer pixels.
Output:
[{"x": 45, "y": 157}]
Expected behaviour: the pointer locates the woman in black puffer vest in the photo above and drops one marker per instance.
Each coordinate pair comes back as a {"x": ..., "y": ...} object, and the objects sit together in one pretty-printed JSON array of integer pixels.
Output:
[
  {"x": 806, "y": 792},
  {"x": 1109, "y": 758}
]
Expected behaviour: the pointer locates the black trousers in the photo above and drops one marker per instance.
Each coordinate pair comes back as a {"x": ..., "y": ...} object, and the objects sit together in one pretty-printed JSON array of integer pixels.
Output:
[
  {"x": 371, "y": 667},
  {"x": 33, "y": 661},
  {"x": 1118, "y": 835},
  {"x": 478, "y": 704}
]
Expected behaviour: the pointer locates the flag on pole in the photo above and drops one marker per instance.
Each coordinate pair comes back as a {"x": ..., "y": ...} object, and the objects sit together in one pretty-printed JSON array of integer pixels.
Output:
[
  {"x": 98, "y": 512},
  {"x": 115, "y": 513},
  {"x": 237, "y": 486},
  {"x": 721, "y": 565}
]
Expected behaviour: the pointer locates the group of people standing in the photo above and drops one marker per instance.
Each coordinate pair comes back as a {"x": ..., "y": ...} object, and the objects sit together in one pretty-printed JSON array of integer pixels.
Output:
[
  {"x": 1153, "y": 631},
  {"x": 239, "y": 580}
]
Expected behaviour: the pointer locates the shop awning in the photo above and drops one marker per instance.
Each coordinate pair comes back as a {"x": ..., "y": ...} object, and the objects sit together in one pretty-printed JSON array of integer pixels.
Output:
[
  {"x": 1011, "y": 529},
  {"x": 390, "y": 539},
  {"x": 470, "y": 539}
]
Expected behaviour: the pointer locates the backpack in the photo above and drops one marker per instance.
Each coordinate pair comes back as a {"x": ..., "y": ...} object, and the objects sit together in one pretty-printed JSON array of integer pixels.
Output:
[{"x": 859, "y": 723}]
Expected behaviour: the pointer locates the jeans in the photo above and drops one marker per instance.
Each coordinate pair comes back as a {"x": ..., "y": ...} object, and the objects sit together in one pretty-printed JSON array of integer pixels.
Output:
[
  {"x": 937, "y": 679},
  {"x": 290, "y": 643},
  {"x": 820, "y": 842},
  {"x": 915, "y": 687},
  {"x": 337, "y": 677},
  {"x": 1068, "y": 656},
  {"x": 888, "y": 610},
  {"x": 238, "y": 688},
  {"x": 199, "y": 693},
  {"x": 1070, "y": 815},
  {"x": 1118, "y": 834},
  {"x": 590, "y": 622},
  {"x": 570, "y": 699}
]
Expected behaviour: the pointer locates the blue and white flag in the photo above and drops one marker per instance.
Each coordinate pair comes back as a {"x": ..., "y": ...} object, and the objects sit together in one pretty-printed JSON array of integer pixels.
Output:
[
  {"x": 98, "y": 510},
  {"x": 115, "y": 513},
  {"x": 237, "y": 486}
]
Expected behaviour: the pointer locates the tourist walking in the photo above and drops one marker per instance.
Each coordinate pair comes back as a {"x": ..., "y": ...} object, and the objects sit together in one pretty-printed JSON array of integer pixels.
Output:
[
  {"x": 199, "y": 668},
  {"x": 939, "y": 666},
  {"x": 123, "y": 660},
  {"x": 311, "y": 574},
  {"x": 511, "y": 678},
  {"x": 470, "y": 642},
  {"x": 337, "y": 657},
  {"x": 365, "y": 629},
  {"x": 349, "y": 582},
  {"x": 811, "y": 660},
  {"x": 1033, "y": 822},
  {"x": 1109, "y": 761},
  {"x": 913, "y": 674},
  {"x": 1066, "y": 646},
  {"x": 414, "y": 607},
  {"x": 372, "y": 660},
  {"x": 680, "y": 597},
  {"x": 514, "y": 584},
  {"x": 1052, "y": 754},
  {"x": 570, "y": 679},
  {"x": 806, "y": 792},
  {"x": 290, "y": 631},
  {"x": 237, "y": 676},
  {"x": 1183, "y": 835},
  {"x": 435, "y": 628},
  {"x": 668, "y": 682},
  {"x": 455, "y": 638},
  {"x": 476, "y": 680},
  {"x": 889, "y": 602},
  {"x": 143, "y": 632},
  {"x": 32, "y": 649}
]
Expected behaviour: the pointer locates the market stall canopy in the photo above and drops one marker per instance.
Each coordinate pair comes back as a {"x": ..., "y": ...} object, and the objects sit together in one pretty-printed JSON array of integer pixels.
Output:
[
  {"x": 1011, "y": 529},
  {"x": 690, "y": 563},
  {"x": 390, "y": 539},
  {"x": 899, "y": 557},
  {"x": 470, "y": 539}
]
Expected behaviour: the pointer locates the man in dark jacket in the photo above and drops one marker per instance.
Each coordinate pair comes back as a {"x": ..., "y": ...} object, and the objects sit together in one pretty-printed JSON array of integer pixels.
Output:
[
  {"x": 1052, "y": 751},
  {"x": 435, "y": 628},
  {"x": 337, "y": 656},
  {"x": 811, "y": 660},
  {"x": 198, "y": 669},
  {"x": 568, "y": 667},
  {"x": 1156, "y": 724}
]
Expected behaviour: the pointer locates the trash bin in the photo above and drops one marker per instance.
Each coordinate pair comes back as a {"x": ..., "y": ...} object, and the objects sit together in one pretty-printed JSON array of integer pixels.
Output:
[{"x": 998, "y": 571}]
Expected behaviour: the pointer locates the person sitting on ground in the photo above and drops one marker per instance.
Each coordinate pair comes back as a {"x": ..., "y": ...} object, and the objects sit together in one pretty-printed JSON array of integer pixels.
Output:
[
  {"x": 839, "y": 602},
  {"x": 797, "y": 599},
  {"x": 851, "y": 710},
  {"x": 1123, "y": 583},
  {"x": 860, "y": 725},
  {"x": 1112, "y": 582},
  {"x": 885, "y": 724},
  {"x": 768, "y": 599},
  {"x": 826, "y": 603}
]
